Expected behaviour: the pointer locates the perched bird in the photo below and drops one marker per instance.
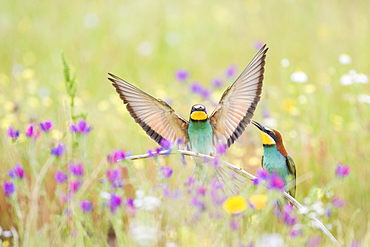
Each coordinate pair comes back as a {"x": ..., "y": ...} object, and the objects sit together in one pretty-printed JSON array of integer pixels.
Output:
[
  {"x": 202, "y": 133},
  {"x": 275, "y": 157}
]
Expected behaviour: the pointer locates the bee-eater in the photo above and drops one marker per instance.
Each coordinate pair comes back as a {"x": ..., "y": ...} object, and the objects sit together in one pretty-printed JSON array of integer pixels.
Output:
[
  {"x": 275, "y": 157},
  {"x": 202, "y": 133}
]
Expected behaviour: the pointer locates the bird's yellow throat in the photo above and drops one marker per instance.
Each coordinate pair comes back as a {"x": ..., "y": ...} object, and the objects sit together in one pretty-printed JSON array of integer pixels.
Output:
[
  {"x": 266, "y": 139},
  {"x": 198, "y": 115}
]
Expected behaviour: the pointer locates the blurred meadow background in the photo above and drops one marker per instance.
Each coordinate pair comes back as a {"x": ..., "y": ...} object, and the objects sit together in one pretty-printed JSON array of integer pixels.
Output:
[{"x": 315, "y": 92}]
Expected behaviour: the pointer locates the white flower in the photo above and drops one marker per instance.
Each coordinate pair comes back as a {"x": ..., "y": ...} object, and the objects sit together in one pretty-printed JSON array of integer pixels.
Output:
[
  {"x": 138, "y": 203},
  {"x": 345, "y": 59},
  {"x": 303, "y": 210},
  {"x": 353, "y": 77},
  {"x": 105, "y": 195},
  {"x": 271, "y": 240},
  {"x": 139, "y": 194},
  {"x": 318, "y": 207},
  {"x": 150, "y": 203},
  {"x": 362, "y": 78},
  {"x": 144, "y": 235},
  {"x": 285, "y": 62},
  {"x": 364, "y": 98},
  {"x": 346, "y": 80},
  {"x": 7, "y": 234},
  {"x": 315, "y": 223},
  {"x": 299, "y": 76}
]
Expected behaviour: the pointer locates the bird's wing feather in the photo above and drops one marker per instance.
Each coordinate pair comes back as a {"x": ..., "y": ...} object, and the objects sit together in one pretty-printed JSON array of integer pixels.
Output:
[
  {"x": 292, "y": 171},
  {"x": 236, "y": 107},
  {"x": 155, "y": 116}
]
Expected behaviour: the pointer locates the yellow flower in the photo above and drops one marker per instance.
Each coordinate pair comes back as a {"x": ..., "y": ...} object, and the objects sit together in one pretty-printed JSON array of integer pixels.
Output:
[
  {"x": 235, "y": 205},
  {"x": 258, "y": 201},
  {"x": 6, "y": 243}
]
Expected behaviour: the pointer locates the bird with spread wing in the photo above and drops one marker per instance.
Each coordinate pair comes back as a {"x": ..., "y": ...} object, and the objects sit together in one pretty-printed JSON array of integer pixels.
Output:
[{"x": 202, "y": 133}]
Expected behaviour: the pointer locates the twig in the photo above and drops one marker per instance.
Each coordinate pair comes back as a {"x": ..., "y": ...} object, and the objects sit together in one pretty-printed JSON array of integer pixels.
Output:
[{"x": 239, "y": 170}]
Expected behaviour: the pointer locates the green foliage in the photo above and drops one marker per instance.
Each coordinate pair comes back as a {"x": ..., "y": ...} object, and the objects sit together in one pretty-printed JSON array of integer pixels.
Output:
[{"x": 322, "y": 121}]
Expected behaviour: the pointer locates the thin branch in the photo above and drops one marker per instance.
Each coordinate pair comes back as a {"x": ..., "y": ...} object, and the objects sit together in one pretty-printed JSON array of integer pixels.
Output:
[{"x": 239, "y": 170}]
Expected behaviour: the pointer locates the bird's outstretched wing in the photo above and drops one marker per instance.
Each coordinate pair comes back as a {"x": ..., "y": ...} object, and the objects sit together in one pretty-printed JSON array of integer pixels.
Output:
[
  {"x": 155, "y": 116},
  {"x": 236, "y": 107},
  {"x": 292, "y": 171}
]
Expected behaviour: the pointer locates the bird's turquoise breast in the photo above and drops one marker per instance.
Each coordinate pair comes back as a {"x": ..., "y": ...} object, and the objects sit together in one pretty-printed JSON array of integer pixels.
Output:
[
  {"x": 274, "y": 161},
  {"x": 200, "y": 135}
]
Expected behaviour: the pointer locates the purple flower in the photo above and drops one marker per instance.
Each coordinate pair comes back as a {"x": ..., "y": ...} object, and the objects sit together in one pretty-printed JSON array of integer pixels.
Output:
[
  {"x": 46, "y": 126},
  {"x": 205, "y": 93},
  {"x": 201, "y": 190},
  {"x": 12, "y": 133},
  {"x": 16, "y": 172},
  {"x": 76, "y": 169},
  {"x": 113, "y": 174},
  {"x": 216, "y": 162},
  {"x": 296, "y": 232},
  {"x": 74, "y": 185},
  {"x": 181, "y": 75},
  {"x": 197, "y": 203},
  {"x": 150, "y": 153},
  {"x": 257, "y": 44},
  {"x": 9, "y": 188},
  {"x": 58, "y": 150},
  {"x": 117, "y": 155},
  {"x": 313, "y": 242},
  {"x": 130, "y": 206},
  {"x": 60, "y": 177},
  {"x": 288, "y": 214},
  {"x": 216, "y": 83},
  {"x": 130, "y": 202},
  {"x": 114, "y": 202},
  {"x": 276, "y": 182},
  {"x": 217, "y": 197},
  {"x": 328, "y": 212},
  {"x": 31, "y": 132},
  {"x": 342, "y": 170},
  {"x": 234, "y": 225},
  {"x": 190, "y": 181},
  {"x": 221, "y": 148},
  {"x": 166, "y": 144},
  {"x": 337, "y": 202},
  {"x": 166, "y": 171},
  {"x": 216, "y": 184},
  {"x": 230, "y": 71},
  {"x": 262, "y": 175},
  {"x": 86, "y": 206},
  {"x": 81, "y": 127},
  {"x": 115, "y": 177},
  {"x": 196, "y": 88}
]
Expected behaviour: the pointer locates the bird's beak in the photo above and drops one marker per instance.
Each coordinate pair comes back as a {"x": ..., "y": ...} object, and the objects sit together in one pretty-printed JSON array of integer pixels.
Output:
[{"x": 259, "y": 126}]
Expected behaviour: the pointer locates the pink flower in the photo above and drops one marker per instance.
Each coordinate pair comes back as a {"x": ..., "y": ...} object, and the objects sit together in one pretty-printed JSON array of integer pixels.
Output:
[
  {"x": 342, "y": 170},
  {"x": 74, "y": 185}
]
